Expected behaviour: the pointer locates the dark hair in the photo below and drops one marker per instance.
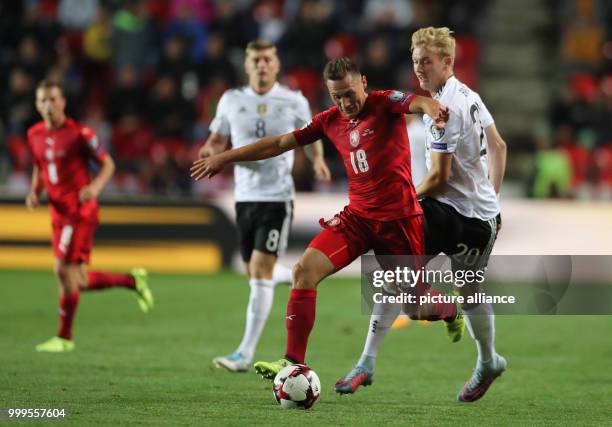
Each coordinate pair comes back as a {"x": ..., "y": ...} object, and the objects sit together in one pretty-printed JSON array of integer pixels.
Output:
[
  {"x": 48, "y": 84},
  {"x": 259, "y": 44},
  {"x": 337, "y": 69}
]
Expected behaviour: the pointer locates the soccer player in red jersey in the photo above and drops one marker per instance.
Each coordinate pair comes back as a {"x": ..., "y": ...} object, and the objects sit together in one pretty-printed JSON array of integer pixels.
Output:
[
  {"x": 369, "y": 131},
  {"x": 61, "y": 149}
]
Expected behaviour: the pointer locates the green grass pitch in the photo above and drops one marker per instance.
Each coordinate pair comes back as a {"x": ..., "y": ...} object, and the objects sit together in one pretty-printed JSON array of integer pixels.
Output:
[{"x": 131, "y": 368}]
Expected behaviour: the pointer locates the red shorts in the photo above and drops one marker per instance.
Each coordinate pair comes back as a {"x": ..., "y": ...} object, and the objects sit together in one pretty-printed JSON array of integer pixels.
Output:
[
  {"x": 348, "y": 236},
  {"x": 72, "y": 241}
]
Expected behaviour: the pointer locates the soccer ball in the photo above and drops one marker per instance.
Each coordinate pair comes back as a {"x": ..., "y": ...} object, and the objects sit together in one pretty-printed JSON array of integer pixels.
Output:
[{"x": 296, "y": 386}]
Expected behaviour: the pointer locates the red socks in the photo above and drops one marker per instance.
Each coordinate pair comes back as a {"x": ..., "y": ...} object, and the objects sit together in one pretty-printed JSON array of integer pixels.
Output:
[
  {"x": 101, "y": 280},
  {"x": 300, "y": 319},
  {"x": 67, "y": 307}
]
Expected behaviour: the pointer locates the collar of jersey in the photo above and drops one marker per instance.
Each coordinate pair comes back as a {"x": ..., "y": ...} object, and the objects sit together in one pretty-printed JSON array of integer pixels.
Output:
[
  {"x": 451, "y": 80},
  {"x": 250, "y": 91}
]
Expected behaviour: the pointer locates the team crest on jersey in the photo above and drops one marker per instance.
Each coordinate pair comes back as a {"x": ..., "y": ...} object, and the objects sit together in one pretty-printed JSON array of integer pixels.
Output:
[
  {"x": 396, "y": 96},
  {"x": 436, "y": 133},
  {"x": 49, "y": 141},
  {"x": 262, "y": 109},
  {"x": 335, "y": 221},
  {"x": 354, "y": 138}
]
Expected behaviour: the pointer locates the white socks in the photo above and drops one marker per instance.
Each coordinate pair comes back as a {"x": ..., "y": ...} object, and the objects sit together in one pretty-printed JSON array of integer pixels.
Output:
[
  {"x": 480, "y": 321},
  {"x": 281, "y": 274},
  {"x": 380, "y": 322},
  {"x": 260, "y": 303}
]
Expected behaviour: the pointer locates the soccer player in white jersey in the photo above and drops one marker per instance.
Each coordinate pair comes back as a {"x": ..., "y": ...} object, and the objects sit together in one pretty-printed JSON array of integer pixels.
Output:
[
  {"x": 466, "y": 162},
  {"x": 263, "y": 189}
]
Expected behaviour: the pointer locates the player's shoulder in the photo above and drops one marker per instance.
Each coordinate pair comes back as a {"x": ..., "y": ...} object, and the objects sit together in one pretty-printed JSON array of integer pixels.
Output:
[
  {"x": 234, "y": 92},
  {"x": 330, "y": 114},
  {"x": 455, "y": 92},
  {"x": 36, "y": 128},
  {"x": 286, "y": 92},
  {"x": 81, "y": 128}
]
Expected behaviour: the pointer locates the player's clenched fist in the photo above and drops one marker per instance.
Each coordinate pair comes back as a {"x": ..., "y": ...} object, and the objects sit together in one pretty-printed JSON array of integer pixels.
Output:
[
  {"x": 32, "y": 201},
  {"x": 88, "y": 193},
  {"x": 207, "y": 167}
]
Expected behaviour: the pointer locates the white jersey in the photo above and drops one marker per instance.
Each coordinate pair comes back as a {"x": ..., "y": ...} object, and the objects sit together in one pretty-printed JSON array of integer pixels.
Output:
[
  {"x": 246, "y": 117},
  {"x": 468, "y": 189}
]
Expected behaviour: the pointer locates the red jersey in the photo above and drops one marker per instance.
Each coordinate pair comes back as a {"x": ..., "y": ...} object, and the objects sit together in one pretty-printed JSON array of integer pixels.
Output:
[
  {"x": 62, "y": 156},
  {"x": 376, "y": 154}
]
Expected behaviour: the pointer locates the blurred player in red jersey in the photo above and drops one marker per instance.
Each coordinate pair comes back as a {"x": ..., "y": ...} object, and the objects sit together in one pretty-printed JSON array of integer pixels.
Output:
[
  {"x": 61, "y": 150},
  {"x": 369, "y": 131}
]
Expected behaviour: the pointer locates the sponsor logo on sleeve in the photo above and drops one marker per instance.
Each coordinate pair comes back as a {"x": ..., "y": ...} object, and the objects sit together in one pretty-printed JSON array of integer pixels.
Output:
[
  {"x": 436, "y": 133},
  {"x": 440, "y": 145},
  {"x": 396, "y": 96},
  {"x": 95, "y": 145}
]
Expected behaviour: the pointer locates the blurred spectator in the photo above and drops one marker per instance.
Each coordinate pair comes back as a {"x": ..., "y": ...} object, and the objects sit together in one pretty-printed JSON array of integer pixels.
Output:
[
  {"x": 235, "y": 24},
  {"x": 188, "y": 22},
  {"x": 377, "y": 65},
  {"x": 173, "y": 61},
  {"x": 602, "y": 122},
  {"x": 200, "y": 10},
  {"x": 29, "y": 58},
  {"x": 216, "y": 64},
  {"x": 131, "y": 39},
  {"x": 307, "y": 33},
  {"x": 128, "y": 95},
  {"x": 553, "y": 171},
  {"x": 131, "y": 142},
  {"x": 170, "y": 114},
  {"x": 396, "y": 14},
  {"x": 268, "y": 16},
  {"x": 77, "y": 14},
  {"x": 97, "y": 38},
  {"x": 17, "y": 103},
  {"x": 583, "y": 37}
]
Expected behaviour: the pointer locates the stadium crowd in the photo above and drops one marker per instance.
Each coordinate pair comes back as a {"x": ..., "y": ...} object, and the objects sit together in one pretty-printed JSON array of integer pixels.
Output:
[
  {"x": 574, "y": 145},
  {"x": 146, "y": 75}
]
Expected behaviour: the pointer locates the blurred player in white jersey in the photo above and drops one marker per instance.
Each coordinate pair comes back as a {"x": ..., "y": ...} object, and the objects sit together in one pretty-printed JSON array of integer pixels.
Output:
[
  {"x": 466, "y": 162},
  {"x": 264, "y": 189}
]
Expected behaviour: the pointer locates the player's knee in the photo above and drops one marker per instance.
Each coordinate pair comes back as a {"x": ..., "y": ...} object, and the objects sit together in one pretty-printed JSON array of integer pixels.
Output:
[
  {"x": 61, "y": 271},
  {"x": 303, "y": 277},
  {"x": 261, "y": 271}
]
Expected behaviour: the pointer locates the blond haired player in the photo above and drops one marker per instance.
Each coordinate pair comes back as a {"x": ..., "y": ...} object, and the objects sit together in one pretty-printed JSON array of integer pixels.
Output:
[{"x": 466, "y": 162}]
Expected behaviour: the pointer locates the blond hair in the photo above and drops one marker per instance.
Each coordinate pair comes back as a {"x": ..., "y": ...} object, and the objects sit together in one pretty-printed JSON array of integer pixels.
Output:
[
  {"x": 440, "y": 40},
  {"x": 259, "y": 44}
]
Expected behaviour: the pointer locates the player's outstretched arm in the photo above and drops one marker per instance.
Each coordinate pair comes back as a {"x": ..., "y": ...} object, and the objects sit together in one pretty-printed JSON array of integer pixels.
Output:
[
  {"x": 438, "y": 112},
  {"x": 265, "y": 148},
  {"x": 496, "y": 149},
  {"x": 215, "y": 144},
  {"x": 36, "y": 187},
  {"x": 91, "y": 191}
]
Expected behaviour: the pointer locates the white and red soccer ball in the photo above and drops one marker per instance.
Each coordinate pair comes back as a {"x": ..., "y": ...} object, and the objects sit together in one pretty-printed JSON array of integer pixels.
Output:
[{"x": 296, "y": 386}]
